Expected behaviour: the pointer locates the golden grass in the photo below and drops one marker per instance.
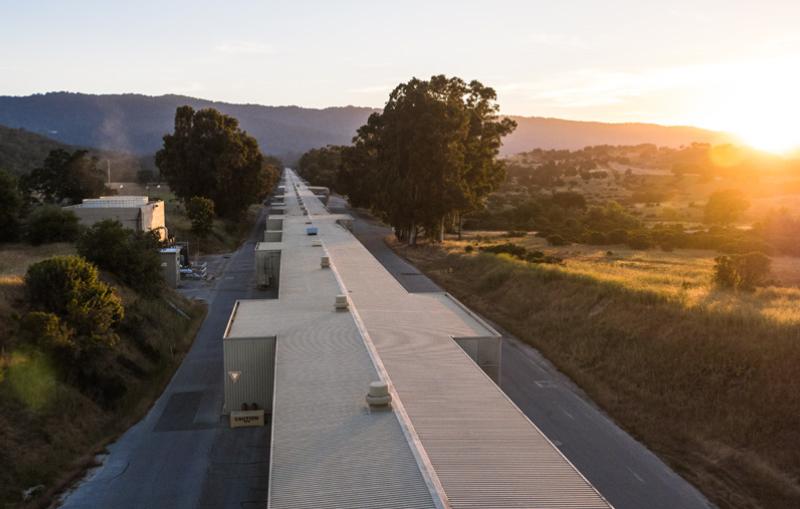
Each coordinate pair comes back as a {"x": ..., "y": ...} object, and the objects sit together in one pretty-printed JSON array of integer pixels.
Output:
[
  {"x": 707, "y": 379},
  {"x": 683, "y": 275}
]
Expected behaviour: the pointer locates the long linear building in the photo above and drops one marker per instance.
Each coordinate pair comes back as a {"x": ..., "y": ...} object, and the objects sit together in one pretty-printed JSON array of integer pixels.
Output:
[{"x": 449, "y": 438}]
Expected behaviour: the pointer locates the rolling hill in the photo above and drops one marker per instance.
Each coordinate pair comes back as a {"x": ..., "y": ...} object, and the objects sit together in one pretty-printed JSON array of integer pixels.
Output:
[
  {"x": 136, "y": 123},
  {"x": 22, "y": 151}
]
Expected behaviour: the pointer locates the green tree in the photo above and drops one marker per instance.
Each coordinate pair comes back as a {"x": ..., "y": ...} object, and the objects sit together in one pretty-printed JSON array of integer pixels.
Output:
[
  {"x": 270, "y": 175},
  {"x": 70, "y": 287},
  {"x": 67, "y": 177},
  {"x": 320, "y": 166},
  {"x": 145, "y": 176},
  {"x": 51, "y": 223},
  {"x": 129, "y": 255},
  {"x": 429, "y": 156},
  {"x": 201, "y": 213},
  {"x": 10, "y": 207},
  {"x": 209, "y": 155},
  {"x": 725, "y": 207}
]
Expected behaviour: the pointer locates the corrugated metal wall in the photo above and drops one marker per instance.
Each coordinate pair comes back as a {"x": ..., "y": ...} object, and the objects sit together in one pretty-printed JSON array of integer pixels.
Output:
[
  {"x": 254, "y": 359},
  {"x": 268, "y": 266}
]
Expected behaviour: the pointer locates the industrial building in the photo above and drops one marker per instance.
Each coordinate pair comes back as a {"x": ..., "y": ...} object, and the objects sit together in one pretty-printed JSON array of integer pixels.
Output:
[
  {"x": 135, "y": 212},
  {"x": 378, "y": 397}
]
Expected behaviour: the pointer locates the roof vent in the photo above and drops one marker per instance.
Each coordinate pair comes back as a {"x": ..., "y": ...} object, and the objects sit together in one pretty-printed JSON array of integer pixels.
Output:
[
  {"x": 341, "y": 302},
  {"x": 378, "y": 394},
  {"x": 325, "y": 262}
]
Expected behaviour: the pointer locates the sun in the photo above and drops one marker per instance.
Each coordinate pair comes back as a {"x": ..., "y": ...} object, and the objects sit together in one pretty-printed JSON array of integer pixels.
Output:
[
  {"x": 759, "y": 104},
  {"x": 773, "y": 135}
]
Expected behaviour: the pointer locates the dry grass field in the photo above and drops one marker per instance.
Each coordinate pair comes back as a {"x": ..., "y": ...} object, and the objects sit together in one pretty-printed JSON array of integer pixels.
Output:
[{"x": 708, "y": 379}]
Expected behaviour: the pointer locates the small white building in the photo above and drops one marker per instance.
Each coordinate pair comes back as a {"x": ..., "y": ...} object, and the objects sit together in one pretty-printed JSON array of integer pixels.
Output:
[{"x": 135, "y": 212}]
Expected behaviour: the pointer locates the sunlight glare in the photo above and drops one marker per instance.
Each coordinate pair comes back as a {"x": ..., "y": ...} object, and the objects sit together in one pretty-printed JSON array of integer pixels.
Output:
[{"x": 759, "y": 104}]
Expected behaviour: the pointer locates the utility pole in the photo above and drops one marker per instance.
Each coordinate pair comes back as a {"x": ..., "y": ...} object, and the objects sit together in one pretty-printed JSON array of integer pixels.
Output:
[{"x": 108, "y": 171}]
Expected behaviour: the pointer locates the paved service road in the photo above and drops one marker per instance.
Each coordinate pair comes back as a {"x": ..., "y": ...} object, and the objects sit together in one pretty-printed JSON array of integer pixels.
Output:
[
  {"x": 182, "y": 454},
  {"x": 627, "y": 474}
]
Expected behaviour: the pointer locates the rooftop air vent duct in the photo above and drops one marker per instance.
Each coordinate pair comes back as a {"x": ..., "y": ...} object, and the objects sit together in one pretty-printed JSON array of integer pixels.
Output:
[
  {"x": 325, "y": 262},
  {"x": 378, "y": 394},
  {"x": 341, "y": 302}
]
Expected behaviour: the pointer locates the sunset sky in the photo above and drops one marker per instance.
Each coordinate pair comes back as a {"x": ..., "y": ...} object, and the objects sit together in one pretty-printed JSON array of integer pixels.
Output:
[{"x": 729, "y": 65}]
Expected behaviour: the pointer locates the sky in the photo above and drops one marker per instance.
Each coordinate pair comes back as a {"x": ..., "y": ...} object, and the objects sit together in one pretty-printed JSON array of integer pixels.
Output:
[{"x": 729, "y": 65}]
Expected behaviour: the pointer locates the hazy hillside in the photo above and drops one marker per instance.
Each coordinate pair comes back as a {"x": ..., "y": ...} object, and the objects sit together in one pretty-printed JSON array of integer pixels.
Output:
[
  {"x": 553, "y": 133},
  {"x": 21, "y": 151},
  {"x": 136, "y": 123}
]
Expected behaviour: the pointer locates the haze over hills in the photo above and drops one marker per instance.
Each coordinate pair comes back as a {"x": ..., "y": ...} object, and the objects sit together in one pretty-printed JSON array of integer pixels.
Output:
[
  {"x": 21, "y": 151},
  {"x": 554, "y": 133},
  {"x": 136, "y": 123}
]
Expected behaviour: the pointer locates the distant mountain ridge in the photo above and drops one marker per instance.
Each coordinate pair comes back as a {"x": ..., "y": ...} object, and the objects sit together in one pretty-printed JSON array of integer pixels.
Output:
[
  {"x": 554, "y": 133},
  {"x": 136, "y": 123}
]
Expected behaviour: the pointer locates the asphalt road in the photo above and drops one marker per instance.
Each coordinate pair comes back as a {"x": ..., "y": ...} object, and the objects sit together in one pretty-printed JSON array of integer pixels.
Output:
[
  {"x": 183, "y": 454},
  {"x": 625, "y": 472}
]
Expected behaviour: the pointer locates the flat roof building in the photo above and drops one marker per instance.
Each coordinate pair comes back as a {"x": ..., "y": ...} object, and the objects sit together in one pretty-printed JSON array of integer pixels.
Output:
[
  {"x": 135, "y": 212},
  {"x": 450, "y": 438}
]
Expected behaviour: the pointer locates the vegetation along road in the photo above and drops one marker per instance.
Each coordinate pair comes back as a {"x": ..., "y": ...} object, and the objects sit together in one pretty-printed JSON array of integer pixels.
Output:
[{"x": 182, "y": 454}]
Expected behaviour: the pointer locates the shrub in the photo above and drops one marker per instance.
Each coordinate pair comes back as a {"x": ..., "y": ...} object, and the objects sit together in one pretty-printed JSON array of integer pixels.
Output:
[
  {"x": 596, "y": 238},
  {"x": 129, "y": 255},
  {"x": 741, "y": 272},
  {"x": 51, "y": 223},
  {"x": 726, "y": 206},
  {"x": 69, "y": 287},
  {"x": 46, "y": 330},
  {"x": 617, "y": 236},
  {"x": 556, "y": 240},
  {"x": 639, "y": 240},
  {"x": 753, "y": 269},
  {"x": 508, "y": 248},
  {"x": 521, "y": 253},
  {"x": 469, "y": 249}
]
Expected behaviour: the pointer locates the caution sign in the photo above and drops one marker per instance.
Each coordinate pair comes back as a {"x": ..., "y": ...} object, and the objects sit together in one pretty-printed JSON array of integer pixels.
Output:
[{"x": 245, "y": 418}]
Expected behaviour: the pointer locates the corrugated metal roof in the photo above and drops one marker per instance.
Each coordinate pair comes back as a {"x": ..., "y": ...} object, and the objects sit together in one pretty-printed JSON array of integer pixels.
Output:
[
  {"x": 328, "y": 449},
  {"x": 483, "y": 450}
]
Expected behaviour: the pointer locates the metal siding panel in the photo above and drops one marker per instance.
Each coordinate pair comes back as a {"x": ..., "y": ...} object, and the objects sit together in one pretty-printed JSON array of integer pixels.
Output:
[{"x": 255, "y": 359}]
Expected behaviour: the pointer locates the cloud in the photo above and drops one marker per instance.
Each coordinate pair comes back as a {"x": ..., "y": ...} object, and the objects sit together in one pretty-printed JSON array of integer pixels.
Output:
[
  {"x": 373, "y": 89},
  {"x": 245, "y": 48},
  {"x": 557, "y": 40}
]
